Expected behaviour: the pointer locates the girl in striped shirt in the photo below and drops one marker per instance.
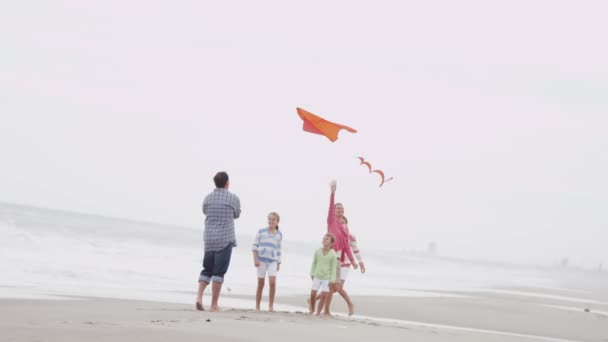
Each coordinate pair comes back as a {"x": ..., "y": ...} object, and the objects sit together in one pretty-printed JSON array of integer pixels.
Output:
[{"x": 267, "y": 258}]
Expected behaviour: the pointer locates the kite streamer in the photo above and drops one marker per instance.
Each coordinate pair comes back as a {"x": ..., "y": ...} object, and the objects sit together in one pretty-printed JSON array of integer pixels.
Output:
[{"x": 380, "y": 172}]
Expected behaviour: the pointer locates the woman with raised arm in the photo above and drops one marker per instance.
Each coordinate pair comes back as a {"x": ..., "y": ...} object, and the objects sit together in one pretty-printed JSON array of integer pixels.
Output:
[{"x": 341, "y": 246}]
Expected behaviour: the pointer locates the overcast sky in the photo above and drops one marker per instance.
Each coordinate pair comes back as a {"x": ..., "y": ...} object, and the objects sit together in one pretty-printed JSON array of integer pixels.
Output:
[{"x": 492, "y": 116}]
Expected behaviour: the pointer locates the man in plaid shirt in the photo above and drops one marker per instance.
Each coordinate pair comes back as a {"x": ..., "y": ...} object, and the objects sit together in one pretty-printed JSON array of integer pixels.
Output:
[{"x": 220, "y": 207}]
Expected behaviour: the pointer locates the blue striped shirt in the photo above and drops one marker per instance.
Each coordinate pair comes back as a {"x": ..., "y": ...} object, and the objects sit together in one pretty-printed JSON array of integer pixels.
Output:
[
  {"x": 221, "y": 208},
  {"x": 268, "y": 245}
]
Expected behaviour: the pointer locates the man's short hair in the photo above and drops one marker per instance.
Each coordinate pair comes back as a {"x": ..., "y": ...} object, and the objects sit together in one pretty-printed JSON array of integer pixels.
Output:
[{"x": 220, "y": 179}]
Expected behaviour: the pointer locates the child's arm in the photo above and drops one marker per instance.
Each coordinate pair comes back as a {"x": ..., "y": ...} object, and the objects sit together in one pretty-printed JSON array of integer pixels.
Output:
[
  {"x": 279, "y": 253},
  {"x": 355, "y": 248},
  {"x": 256, "y": 260},
  {"x": 255, "y": 248},
  {"x": 314, "y": 266}
]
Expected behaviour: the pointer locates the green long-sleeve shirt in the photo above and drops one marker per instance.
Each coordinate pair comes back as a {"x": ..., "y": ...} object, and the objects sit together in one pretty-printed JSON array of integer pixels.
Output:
[{"x": 324, "y": 266}]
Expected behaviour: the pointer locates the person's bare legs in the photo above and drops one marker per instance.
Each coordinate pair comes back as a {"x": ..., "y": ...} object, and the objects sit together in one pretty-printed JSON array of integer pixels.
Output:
[
  {"x": 327, "y": 301},
  {"x": 312, "y": 301},
  {"x": 323, "y": 302},
  {"x": 216, "y": 288},
  {"x": 342, "y": 284},
  {"x": 272, "y": 283},
  {"x": 258, "y": 294},
  {"x": 199, "y": 296},
  {"x": 342, "y": 292}
]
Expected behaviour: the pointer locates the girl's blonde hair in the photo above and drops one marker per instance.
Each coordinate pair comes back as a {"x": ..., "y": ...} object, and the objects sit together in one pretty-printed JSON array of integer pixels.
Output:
[{"x": 275, "y": 214}]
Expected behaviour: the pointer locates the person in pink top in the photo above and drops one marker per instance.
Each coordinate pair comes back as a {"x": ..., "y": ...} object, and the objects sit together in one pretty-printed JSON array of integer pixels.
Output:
[{"x": 341, "y": 246}]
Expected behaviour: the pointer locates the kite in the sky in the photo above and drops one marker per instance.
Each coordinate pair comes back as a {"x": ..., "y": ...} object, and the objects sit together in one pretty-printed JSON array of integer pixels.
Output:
[
  {"x": 317, "y": 125},
  {"x": 380, "y": 172},
  {"x": 382, "y": 176},
  {"x": 363, "y": 162}
]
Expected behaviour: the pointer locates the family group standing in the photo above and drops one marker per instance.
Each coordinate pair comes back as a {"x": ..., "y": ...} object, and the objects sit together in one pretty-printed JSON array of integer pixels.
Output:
[{"x": 330, "y": 265}]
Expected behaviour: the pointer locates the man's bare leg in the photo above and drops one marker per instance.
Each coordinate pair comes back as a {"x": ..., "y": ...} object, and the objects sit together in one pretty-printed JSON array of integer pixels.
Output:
[
  {"x": 199, "y": 296},
  {"x": 216, "y": 288}
]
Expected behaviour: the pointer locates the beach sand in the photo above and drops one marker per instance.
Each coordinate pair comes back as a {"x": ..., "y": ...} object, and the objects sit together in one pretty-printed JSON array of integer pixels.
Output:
[{"x": 484, "y": 318}]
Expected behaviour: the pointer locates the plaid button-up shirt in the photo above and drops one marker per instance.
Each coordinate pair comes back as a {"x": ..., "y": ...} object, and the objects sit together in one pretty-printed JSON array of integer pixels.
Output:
[{"x": 221, "y": 208}]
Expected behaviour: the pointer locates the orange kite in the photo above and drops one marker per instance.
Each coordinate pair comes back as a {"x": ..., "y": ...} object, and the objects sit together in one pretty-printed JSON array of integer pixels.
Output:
[
  {"x": 317, "y": 125},
  {"x": 380, "y": 172}
]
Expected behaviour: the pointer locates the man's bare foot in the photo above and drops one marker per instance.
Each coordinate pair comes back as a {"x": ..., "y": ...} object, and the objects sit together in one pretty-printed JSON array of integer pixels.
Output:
[
  {"x": 351, "y": 309},
  {"x": 215, "y": 309},
  {"x": 257, "y": 309},
  {"x": 326, "y": 316},
  {"x": 199, "y": 306},
  {"x": 271, "y": 309}
]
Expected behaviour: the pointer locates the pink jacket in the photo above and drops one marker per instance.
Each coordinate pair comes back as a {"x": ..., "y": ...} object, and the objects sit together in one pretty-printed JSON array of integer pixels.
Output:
[{"x": 342, "y": 243}]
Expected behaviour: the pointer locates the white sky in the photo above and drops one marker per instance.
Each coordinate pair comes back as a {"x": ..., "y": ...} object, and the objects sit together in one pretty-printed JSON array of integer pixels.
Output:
[{"x": 492, "y": 117}]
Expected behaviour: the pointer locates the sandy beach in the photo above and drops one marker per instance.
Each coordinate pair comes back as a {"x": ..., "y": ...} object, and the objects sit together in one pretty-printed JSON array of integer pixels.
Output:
[
  {"x": 100, "y": 279},
  {"x": 475, "y": 318}
]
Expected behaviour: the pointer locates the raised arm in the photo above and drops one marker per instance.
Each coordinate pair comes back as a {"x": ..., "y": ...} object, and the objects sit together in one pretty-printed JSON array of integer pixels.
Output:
[{"x": 331, "y": 214}]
